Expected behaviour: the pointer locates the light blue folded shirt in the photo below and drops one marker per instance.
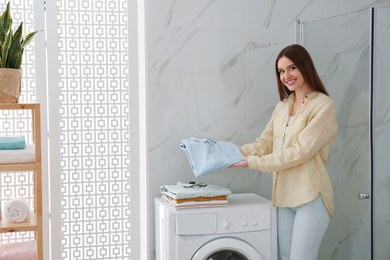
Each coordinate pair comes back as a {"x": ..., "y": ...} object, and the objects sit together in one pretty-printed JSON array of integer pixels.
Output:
[
  {"x": 194, "y": 190},
  {"x": 12, "y": 142},
  {"x": 207, "y": 155}
]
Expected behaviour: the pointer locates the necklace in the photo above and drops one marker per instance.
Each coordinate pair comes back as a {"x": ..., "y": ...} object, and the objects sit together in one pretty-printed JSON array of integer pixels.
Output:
[{"x": 296, "y": 106}]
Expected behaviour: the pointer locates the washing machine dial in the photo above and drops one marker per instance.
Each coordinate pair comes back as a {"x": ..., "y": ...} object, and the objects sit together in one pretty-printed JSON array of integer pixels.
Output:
[
  {"x": 254, "y": 223},
  {"x": 226, "y": 224},
  {"x": 244, "y": 223}
]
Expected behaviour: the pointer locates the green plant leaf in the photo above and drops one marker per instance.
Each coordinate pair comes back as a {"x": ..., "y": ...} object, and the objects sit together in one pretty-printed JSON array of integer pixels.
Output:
[
  {"x": 28, "y": 39},
  {"x": 1, "y": 49},
  {"x": 5, "y": 49},
  {"x": 14, "y": 51},
  {"x": 20, "y": 31},
  {"x": 5, "y": 26},
  {"x": 2, "y": 33},
  {"x": 6, "y": 19},
  {"x": 18, "y": 62}
]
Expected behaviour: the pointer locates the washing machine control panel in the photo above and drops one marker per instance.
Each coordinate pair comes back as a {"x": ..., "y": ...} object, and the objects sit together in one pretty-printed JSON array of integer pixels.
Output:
[{"x": 231, "y": 222}]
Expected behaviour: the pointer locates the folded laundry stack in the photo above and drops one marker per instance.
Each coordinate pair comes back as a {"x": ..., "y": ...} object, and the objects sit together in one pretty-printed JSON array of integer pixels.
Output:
[{"x": 193, "y": 195}]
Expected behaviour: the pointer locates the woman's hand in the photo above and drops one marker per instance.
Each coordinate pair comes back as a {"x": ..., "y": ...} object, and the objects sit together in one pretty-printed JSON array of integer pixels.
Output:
[{"x": 243, "y": 163}]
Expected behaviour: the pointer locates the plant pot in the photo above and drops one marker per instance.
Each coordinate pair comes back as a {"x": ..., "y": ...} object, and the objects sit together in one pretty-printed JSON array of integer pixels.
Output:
[{"x": 10, "y": 85}]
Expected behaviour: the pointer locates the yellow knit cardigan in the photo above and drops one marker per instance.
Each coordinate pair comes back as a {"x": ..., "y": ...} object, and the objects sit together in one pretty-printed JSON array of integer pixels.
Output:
[{"x": 297, "y": 153}]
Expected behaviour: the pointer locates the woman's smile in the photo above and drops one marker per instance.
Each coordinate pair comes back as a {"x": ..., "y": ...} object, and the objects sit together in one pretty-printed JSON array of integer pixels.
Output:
[{"x": 290, "y": 82}]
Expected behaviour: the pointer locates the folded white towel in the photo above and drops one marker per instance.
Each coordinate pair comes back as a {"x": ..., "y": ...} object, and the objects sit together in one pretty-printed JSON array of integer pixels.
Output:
[{"x": 17, "y": 210}]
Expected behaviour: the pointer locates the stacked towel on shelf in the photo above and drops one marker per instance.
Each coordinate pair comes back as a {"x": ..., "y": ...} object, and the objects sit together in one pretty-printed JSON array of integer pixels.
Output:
[
  {"x": 12, "y": 142},
  {"x": 17, "y": 210},
  {"x": 192, "y": 195},
  {"x": 18, "y": 156},
  {"x": 26, "y": 250}
]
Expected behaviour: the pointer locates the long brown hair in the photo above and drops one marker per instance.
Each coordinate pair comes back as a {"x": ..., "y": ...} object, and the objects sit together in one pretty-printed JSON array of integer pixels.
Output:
[{"x": 301, "y": 58}]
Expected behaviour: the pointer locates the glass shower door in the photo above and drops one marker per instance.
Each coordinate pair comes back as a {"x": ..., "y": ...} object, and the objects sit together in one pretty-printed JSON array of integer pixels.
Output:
[
  {"x": 340, "y": 48},
  {"x": 381, "y": 212}
]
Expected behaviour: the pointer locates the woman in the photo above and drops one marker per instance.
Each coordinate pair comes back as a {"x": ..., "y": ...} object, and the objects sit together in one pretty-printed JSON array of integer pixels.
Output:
[{"x": 295, "y": 146}]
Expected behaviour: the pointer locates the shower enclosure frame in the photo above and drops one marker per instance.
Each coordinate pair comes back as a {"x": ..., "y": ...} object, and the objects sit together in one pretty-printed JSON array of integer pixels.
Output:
[{"x": 370, "y": 195}]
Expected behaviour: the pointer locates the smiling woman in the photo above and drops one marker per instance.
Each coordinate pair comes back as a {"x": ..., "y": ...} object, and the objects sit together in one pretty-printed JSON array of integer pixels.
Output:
[{"x": 295, "y": 146}]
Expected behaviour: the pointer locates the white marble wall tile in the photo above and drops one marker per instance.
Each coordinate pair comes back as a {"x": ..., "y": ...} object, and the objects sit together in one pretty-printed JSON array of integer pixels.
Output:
[
  {"x": 186, "y": 13},
  {"x": 257, "y": 12},
  {"x": 263, "y": 95},
  {"x": 315, "y": 10},
  {"x": 212, "y": 79},
  {"x": 284, "y": 13}
]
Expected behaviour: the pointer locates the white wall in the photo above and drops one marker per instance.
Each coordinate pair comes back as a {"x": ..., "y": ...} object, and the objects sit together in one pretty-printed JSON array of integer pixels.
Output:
[{"x": 211, "y": 74}]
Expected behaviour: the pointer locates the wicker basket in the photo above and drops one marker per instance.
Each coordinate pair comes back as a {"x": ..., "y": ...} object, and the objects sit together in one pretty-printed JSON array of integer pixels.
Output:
[{"x": 10, "y": 85}]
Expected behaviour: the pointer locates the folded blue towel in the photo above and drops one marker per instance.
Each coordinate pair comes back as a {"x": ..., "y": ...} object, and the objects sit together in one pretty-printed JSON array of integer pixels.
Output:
[
  {"x": 207, "y": 155},
  {"x": 12, "y": 142}
]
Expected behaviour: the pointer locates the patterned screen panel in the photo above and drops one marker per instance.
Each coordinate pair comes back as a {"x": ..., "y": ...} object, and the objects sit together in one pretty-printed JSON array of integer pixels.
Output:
[
  {"x": 94, "y": 123},
  {"x": 18, "y": 122}
]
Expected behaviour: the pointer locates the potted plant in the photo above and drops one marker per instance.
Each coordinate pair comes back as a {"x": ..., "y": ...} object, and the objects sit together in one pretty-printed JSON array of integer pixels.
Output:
[{"x": 12, "y": 45}]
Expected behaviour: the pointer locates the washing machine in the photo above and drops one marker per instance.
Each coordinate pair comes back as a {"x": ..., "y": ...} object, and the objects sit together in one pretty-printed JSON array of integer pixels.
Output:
[{"x": 244, "y": 230}]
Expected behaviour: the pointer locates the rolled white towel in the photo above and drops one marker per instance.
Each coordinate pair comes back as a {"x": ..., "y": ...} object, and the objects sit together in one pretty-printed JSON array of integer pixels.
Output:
[{"x": 17, "y": 210}]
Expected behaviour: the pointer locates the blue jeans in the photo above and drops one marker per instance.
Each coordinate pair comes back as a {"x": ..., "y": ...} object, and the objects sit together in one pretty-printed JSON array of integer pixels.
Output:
[{"x": 301, "y": 229}]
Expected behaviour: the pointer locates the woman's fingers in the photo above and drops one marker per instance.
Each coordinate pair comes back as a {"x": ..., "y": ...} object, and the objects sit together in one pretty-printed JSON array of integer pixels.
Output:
[{"x": 243, "y": 163}]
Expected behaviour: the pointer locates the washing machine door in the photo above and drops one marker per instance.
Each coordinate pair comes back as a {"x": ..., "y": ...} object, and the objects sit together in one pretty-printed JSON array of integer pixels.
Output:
[{"x": 226, "y": 249}]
